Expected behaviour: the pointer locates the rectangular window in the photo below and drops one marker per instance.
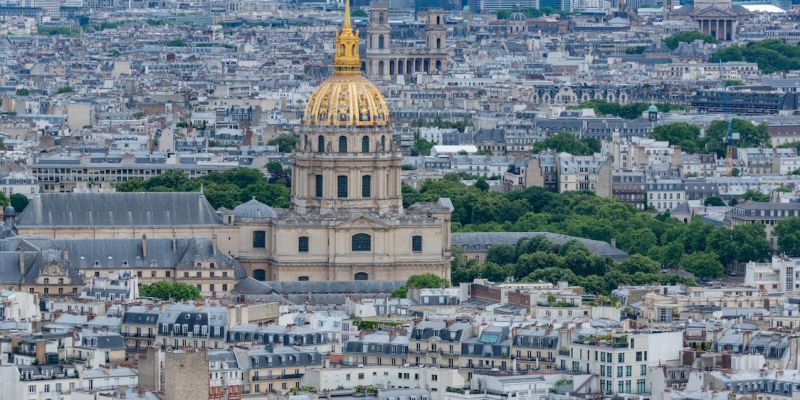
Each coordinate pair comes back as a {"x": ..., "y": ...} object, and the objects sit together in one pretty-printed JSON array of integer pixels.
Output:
[
  {"x": 302, "y": 244},
  {"x": 628, "y": 370},
  {"x": 259, "y": 239},
  {"x": 318, "y": 182},
  {"x": 366, "y": 186},
  {"x": 619, "y": 372},
  {"x": 416, "y": 244},
  {"x": 341, "y": 186}
]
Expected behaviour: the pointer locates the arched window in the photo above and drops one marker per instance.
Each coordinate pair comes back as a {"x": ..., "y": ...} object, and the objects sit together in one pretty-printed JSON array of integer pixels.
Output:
[
  {"x": 259, "y": 275},
  {"x": 46, "y": 281},
  {"x": 366, "y": 186},
  {"x": 302, "y": 244},
  {"x": 362, "y": 242},
  {"x": 60, "y": 281},
  {"x": 342, "y": 144},
  {"x": 380, "y": 41},
  {"x": 383, "y": 143},
  {"x": 321, "y": 144},
  {"x": 365, "y": 144},
  {"x": 361, "y": 276}
]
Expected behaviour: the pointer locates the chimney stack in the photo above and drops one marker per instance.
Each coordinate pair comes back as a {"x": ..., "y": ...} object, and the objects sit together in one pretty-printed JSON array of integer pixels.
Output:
[{"x": 21, "y": 252}]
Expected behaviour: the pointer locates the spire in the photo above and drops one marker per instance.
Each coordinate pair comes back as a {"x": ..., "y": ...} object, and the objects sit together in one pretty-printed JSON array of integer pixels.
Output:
[
  {"x": 346, "y": 61},
  {"x": 346, "y": 15}
]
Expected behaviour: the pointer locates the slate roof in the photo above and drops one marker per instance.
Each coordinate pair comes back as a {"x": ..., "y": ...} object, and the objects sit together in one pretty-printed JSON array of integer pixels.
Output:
[
  {"x": 119, "y": 209},
  {"x": 77, "y": 254},
  {"x": 254, "y": 209},
  {"x": 481, "y": 241},
  {"x": 314, "y": 292}
]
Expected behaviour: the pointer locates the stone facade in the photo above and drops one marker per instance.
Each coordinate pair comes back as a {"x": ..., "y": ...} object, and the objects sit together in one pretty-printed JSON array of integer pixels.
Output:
[{"x": 384, "y": 62}]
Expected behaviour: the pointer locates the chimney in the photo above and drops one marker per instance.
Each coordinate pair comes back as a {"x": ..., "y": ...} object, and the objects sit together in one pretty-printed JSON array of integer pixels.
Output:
[
  {"x": 21, "y": 261},
  {"x": 746, "y": 337},
  {"x": 144, "y": 247}
]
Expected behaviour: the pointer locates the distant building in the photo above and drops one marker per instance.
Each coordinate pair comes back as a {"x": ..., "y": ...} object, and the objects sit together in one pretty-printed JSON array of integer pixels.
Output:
[
  {"x": 24, "y": 184},
  {"x": 665, "y": 194},
  {"x": 186, "y": 375},
  {"x": 383, "y": 61},
  {"x": 766, "y": 213}
]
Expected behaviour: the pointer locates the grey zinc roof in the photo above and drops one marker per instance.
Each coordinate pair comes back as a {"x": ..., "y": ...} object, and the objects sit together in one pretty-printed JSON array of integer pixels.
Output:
[
  {"x": 254, "y": 209},
  {"x": 759, "y": 205},
  {"x": 313, "y": 292},
  {"x": 119, "y": 209},
  {"x": 483, "y": 240},
  {"x": 103, "y": 253}
]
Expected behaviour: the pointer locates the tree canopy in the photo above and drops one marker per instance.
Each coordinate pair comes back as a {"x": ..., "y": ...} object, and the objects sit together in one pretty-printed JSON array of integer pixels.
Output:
[
  {"x": 567, "y": 142},
  {"x": 655, "y": 243},
  {"x": 423, "y": 281},
  {"x": 222, "y": 189},
  {"x": 18, "y": 201},
  {"x": 771, "y": 55},
  {"x": 687, "y": 37},
  {"x": 688, "y": 136},
  {"x": 681, "y": 134},
  {"x": 168, "y": 290},
  {"x": 788, "y": 233},
  {"x": 627, "y": 111},
  {"x": 285, "y": 143}
]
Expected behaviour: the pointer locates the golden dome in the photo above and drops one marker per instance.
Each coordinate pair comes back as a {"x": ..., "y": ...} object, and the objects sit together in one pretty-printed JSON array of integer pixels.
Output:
[{"x": 346, "y": 98}]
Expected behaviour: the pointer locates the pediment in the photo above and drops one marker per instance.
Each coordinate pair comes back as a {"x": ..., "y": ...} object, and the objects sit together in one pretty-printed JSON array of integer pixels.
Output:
[
  {"x": 362, "y": 221},
  {"x": 714, "y": 12}
]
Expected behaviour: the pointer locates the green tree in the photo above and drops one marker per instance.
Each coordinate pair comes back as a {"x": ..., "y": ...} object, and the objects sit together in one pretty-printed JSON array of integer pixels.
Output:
[
  {"x": 529, "y": 263},
  {"x": 687, "y": 37},
  {"x": 639, "y": 263},
  {"x": 65, "y": 89},
  {"x": 426, "y": 281},
  {"x": 168, "y": 290},
  {"x": 285, "y": 143},
  {"x": 175, "y": 43},
  {"x": 4, "y": 201},
  {"x": 771, "y": 55},
  {"x": 703, "y": 264},
  {"x": 750, "y": 135},
  {"x": 788, "y": 233},
  {"x": 502, "y": 254},
  {"x": 552, "y": 275},
  {"x": 22, "y": 92},
  {"x": 481, "y": 184},
  {"x": 503, "y": 14},
  {"x": 358, "y": 12},
  {"x": 753, "y": 195},
  {"x": 713, "y": 201},
  {"x": 681, "y": 134},
  {"x": 567, "y": 142},
  {"x": 18, "y": 201},
  {"x": 422, "y": 147},
  {"x": 637, "y": 240}
]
